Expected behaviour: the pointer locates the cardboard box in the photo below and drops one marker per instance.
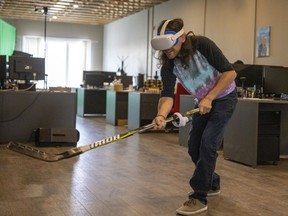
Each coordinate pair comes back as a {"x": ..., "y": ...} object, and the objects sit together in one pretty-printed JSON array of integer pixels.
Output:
[
  {"x": 122, "y": 122},
  {"x": 118, "y": 87}
]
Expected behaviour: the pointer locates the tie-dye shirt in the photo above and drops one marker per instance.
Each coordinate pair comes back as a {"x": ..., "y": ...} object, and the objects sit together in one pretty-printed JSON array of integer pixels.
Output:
[{"x": 205, "y": 68}]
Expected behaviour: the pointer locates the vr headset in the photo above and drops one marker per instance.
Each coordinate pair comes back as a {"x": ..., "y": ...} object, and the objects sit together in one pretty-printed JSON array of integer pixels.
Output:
[{"x": 165, "y": 40}]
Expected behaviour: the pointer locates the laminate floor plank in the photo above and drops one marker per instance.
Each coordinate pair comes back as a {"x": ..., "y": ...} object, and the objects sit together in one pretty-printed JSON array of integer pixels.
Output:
[{"x": 143, "y": 175}]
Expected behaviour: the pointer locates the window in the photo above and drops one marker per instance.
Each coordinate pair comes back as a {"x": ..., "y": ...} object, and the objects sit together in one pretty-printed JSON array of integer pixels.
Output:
[{"x": 65, "y": 58}]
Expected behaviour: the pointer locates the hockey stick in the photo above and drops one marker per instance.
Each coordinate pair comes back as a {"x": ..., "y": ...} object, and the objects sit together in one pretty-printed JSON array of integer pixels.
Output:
[{"x": 49, "y": 157}]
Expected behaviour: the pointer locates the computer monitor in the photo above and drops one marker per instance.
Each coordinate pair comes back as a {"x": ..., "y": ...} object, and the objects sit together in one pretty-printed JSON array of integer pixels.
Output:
[
  {"x": 3, "y": 70},
  {"x": 94, "y": 80},
  {"x": 139, "y": 81},
  {"x": 89, "y": 72},
  {"x": 125, "y": 80},
  {"x": 109, "y": 76},
  {"x": 26, "y": 68},
  {"x": 248, "y": 75},
  {"x": 3, "y": 64},
  {"x": 275, "y": 80},
  {"x": 21, "y": 54}
]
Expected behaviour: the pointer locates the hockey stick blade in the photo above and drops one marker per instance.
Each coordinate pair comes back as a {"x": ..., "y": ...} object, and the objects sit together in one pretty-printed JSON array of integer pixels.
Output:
[{"x": 49, "y": 157}]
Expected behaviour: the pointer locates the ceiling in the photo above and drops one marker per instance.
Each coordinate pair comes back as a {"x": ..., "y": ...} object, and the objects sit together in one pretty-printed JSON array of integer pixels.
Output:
[{"x": 90, "y": 12}]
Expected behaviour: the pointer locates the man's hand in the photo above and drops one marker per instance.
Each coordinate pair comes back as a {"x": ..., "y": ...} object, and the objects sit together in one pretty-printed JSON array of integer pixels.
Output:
[
  {"x": 160, "y": 122},
  {"x": 205, "y": 106}
]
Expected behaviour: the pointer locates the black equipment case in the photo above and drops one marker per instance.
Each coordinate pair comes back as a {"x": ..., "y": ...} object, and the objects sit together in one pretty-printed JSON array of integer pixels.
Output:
[{"x": 48, "y": 137}]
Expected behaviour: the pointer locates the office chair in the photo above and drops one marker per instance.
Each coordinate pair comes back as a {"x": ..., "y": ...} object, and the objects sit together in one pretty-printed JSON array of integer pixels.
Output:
[{"x": 180, "y": 90}]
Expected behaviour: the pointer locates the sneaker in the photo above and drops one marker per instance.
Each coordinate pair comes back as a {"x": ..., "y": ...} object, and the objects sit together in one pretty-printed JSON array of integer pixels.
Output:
[
  {"x": 209, "y": 194},
  {"x": 191, "y": 207},
  {"x": 213, "y": 192}
]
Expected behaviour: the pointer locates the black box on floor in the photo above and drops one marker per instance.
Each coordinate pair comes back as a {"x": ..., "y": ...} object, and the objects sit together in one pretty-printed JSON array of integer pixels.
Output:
[{"x": 49, "y": 137}]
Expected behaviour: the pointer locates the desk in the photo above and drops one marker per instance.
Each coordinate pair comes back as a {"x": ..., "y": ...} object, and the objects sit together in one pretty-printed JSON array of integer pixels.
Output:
[
  {"x": 91, "y": 101},
  {"x": 254, "y": 134},
  {"x": 23, "y": 112},
  {"x": 116, "y": 106},
  {"x": 142, "y": 108}
]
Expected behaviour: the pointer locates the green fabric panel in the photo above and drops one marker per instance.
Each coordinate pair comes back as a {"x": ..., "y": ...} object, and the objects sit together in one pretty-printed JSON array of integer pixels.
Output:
[{"x": 7, "y": 38}]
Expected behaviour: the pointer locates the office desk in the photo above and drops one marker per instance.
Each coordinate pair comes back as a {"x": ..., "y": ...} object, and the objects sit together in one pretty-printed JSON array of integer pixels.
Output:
[
  {"x": 116, "y": 106},
  {"x": 91, "y": 101},
  {"x": 23, "y": 112},
  {"x": 257, "y": 132},
  {"x": 142, "y": 108}
]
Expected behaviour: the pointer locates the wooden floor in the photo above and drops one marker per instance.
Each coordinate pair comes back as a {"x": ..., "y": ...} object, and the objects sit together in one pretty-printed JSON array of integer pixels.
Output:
[{"x": 143, "y": 175}]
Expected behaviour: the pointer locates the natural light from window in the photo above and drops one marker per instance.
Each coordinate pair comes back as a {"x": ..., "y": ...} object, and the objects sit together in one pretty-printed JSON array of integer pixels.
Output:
[{"x": 65, "y": 59}]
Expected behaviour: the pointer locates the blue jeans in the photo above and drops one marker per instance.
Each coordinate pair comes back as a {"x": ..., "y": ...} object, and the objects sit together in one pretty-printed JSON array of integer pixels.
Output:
[{"x": 206, "y": 136}]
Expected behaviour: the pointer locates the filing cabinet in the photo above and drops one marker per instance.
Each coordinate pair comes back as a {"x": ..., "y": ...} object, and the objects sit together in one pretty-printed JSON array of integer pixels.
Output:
[{"x": 268, "y": 136}]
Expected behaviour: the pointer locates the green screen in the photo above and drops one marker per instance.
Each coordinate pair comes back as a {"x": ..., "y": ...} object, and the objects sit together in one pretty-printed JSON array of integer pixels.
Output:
[{"x": 7, "y": 38}]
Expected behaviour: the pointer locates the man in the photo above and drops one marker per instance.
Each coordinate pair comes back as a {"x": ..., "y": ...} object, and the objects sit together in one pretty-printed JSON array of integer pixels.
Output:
[{"x": 200, "y": 66}]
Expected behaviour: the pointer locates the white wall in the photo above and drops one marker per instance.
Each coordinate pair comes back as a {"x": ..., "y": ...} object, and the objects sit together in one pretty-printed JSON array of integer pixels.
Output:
[
  {"x": 275, "y": 14},
  {"x": 126, "y": 38},
  {"x": 232, "y": 24},
  {"x": 137, "y": 45},
  {"x": 191, "y": 11}
]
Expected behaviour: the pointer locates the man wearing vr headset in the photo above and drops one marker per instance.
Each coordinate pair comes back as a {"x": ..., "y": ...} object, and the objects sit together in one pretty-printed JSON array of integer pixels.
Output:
[{"x": 200, "y": 66}]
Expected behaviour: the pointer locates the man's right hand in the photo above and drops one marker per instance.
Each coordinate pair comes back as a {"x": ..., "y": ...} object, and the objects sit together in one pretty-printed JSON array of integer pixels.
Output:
[{"x": 160, "y": 122}]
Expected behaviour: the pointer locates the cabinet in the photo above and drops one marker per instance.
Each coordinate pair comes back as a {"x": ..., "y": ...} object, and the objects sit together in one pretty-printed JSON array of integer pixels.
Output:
[
  {"x": 142, "y": 108},
  {"x": 116, "y": 106},
  {"x": 22, "y": 112},
  {"x": 257, "y": 132},
  {"x": 268, "y": 136},
  {"x": 91, "y": 101}
]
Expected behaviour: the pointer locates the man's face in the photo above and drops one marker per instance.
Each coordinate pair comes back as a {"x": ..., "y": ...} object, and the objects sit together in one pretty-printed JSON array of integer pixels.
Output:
[{"x": 174, "y": 51}]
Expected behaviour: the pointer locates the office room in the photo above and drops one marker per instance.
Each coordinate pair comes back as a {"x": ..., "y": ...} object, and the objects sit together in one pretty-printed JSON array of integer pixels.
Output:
[{"x": 108, "y": 167}]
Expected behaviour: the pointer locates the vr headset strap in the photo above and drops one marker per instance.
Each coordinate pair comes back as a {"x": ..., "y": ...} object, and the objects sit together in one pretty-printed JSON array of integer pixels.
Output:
[
  {"x": 162, "y": 32},
  {"x": 178, "y": 34}
]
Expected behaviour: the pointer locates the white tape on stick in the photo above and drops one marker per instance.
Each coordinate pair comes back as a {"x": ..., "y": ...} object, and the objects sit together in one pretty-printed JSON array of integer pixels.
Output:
[{"x": 180, "y": 120}]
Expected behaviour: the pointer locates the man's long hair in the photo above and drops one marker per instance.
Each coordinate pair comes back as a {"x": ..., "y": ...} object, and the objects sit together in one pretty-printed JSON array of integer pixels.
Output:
[{"x": 186, "y": 49}]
